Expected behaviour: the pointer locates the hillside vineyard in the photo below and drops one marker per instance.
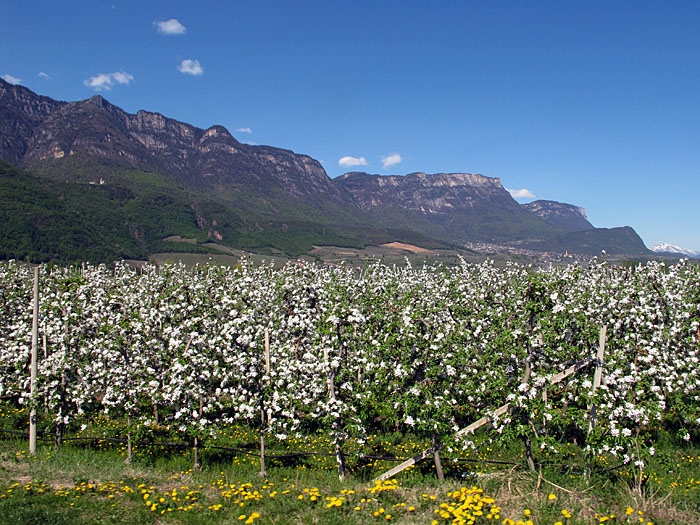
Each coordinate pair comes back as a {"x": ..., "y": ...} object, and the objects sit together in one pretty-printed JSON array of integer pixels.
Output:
[{"x": 354, "y": 352}]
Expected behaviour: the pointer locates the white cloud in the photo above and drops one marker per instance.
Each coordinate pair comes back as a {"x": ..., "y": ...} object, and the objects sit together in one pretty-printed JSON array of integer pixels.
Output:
[
  {"x": 390, "y": 160},
  {"x": 348, "y": 162},
  {"x": 44, "y": 75},
  {"x": 11, "y": 79},
  {"x": 122, "y": 78},
  {"x": 244, "y": 130},
  {"x": 170, "y": 27},
  {"x": 107, "y": 80},
  {"x": 521, "y": 194},
  {"x": 190, "y": 67}
]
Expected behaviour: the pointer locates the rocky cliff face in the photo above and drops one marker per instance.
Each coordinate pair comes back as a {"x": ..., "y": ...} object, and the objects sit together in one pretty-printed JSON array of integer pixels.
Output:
[
  {"x": 465, "y": 206},
  {"x": 440, "y": 193},
  {"x": 568, "y": 216},
  {"x": 39, "y": 129},
  {"x": 21, "y": 111}
]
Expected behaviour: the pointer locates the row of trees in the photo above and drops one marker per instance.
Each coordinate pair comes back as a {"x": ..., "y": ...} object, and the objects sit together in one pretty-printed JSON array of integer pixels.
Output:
[{"x": 358, "y": 351}]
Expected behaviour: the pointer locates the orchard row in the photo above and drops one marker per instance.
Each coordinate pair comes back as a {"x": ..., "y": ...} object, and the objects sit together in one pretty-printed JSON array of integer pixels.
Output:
[{"x": 353, "y": 352}]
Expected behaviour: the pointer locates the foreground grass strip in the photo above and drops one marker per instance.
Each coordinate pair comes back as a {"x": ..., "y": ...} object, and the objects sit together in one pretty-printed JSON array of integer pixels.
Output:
[{"x": 73, "y": 485}]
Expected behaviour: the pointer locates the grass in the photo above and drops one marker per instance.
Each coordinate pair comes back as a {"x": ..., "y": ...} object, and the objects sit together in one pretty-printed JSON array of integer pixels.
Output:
[{"x": 90, "y": 482}]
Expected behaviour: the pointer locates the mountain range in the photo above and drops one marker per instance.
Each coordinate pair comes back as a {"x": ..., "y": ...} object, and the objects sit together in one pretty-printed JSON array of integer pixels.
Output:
[
  {"x": 86, "y": 179},
  {"x": 672, "y": 249}
]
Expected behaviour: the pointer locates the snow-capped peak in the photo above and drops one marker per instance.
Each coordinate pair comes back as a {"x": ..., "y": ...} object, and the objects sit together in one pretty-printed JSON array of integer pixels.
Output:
[{"x": 672, "y": 248}]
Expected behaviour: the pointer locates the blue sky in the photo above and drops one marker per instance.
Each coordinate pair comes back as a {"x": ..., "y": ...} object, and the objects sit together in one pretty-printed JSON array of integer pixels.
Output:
[{"x": 592, "y": 103}]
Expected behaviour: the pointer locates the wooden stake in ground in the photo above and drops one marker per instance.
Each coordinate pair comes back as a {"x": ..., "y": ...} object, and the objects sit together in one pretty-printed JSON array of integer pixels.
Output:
[
  {"x": 262, "y": 405},
  {"x": 43, "y": 341},
  {"x": 128, "y": 440},
  {"x": 436, "y": 457},
  {"x": 34, "y": 366},
  {"x": 267, "y": 370},
  {"x": 197, "y": 465},
  {"x": 597, "y": 380},
  {"x": 544, "y": 401}
]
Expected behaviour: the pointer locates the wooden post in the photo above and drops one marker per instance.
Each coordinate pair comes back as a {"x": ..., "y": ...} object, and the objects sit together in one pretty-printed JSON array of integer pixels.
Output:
[
  {"x": 540, "y": 338},
  {"x": 340, "y": 461},
  {"x": 544, "y": 400},
  {"x": 597, "y": 376},
  {"x": 43, "y": 341},
  {"x": 267, "y": 370},
  {"x": 128, "y": 440},
  {"x": 46, "y": 355},
  {"x": 34, "y": 367},
  {"x": 597, "y": 380},
  {"x": 197, "y": 465},
  {"x": 263, "y": 473},
  {"x": 436, "y": 458},
  {"x": 262, "y": 448}
]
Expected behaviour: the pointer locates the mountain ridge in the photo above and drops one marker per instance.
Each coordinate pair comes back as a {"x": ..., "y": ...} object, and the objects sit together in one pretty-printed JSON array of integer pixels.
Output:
[
  {"x": 190, "y": 155},
  {"x": 205, "y": 183}
]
